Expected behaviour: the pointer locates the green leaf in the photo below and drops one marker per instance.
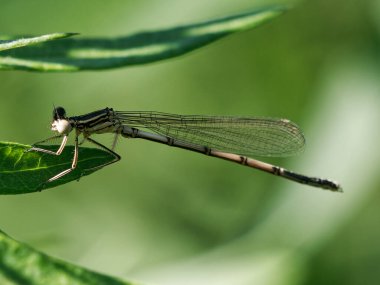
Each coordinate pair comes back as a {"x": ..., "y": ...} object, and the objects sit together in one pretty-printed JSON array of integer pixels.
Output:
[
  {"x": 101, "y": 53},
  {"x": 22, "y": 265},
  {"x": 24, "y": 172},
  {"x": 17, "y": 43}
]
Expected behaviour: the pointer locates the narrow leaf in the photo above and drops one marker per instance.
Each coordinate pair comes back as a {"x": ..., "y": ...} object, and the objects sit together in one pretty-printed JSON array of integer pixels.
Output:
[
  {"x": 22, "y": 265},
  {"x": 17, "y": 43},
  {"x": 145, "y": 47},
  {"x": 24, "y": 172}
]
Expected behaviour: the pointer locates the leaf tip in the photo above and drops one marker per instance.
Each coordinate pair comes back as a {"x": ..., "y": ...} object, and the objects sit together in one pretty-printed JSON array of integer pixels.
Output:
[{"x": 72, "y": 34}]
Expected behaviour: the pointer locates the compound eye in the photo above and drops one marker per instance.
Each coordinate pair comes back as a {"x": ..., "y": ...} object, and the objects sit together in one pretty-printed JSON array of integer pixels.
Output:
[{"x": 59, "y": 113}]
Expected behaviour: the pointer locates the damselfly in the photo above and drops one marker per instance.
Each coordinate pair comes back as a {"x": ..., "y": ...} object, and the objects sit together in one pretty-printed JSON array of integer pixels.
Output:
[{"x": 228, "y": 138}]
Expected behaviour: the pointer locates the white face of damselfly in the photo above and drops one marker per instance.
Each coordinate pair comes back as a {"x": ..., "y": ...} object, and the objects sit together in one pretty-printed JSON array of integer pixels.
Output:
[
  {"x": 61, "y": 126},
  {"x": 60, "y": 122}
]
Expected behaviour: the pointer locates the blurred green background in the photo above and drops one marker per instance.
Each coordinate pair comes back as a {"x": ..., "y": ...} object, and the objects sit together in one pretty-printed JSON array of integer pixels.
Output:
[{"x": 167, "y": 216}]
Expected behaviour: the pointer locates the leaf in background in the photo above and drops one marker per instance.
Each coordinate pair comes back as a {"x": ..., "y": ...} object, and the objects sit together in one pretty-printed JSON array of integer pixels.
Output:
[
  {"x": 22, "y": 265},
  {"x": 100, "y": 53},
  {"x": 17, "y": 43},
  {"x": 25, "y": 172}
]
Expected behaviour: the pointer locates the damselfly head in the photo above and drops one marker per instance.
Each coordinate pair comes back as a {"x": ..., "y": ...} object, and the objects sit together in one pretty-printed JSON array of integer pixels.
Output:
[
  {"x": 59, "y": 113},
  {"x": 60, "y": 123}
]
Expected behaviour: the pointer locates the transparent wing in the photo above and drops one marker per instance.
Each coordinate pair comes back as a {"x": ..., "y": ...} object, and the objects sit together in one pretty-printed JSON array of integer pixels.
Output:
[{"x": 240, "y": 135}]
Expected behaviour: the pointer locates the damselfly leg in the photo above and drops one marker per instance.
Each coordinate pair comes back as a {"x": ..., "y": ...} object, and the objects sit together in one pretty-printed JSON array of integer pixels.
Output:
[{"x": 76, "y": 155}]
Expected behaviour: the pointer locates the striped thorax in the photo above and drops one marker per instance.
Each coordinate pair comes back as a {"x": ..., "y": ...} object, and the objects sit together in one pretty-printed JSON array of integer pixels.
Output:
[{"x": 98, "y": 122}]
